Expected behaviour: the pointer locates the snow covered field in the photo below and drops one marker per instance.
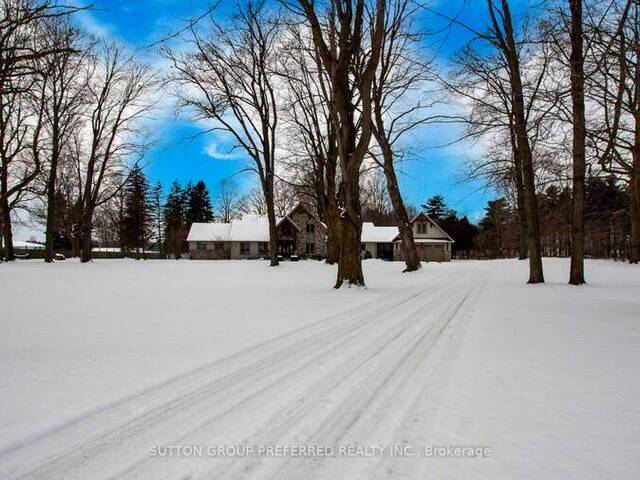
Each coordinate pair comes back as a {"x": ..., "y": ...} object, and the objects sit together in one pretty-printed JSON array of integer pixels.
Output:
[{"x": 104, "y": 366}]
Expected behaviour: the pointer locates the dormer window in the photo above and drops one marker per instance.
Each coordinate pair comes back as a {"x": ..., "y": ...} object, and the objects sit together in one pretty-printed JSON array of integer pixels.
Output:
[{"x": 422, "y": 228}]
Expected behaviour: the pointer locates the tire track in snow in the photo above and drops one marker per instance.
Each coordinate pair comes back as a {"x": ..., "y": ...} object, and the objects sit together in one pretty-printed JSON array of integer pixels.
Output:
[
  {"x": 348, "y": 363},
  {"x": 180, "y": 401},
  {"x": 363, "y": 406}
]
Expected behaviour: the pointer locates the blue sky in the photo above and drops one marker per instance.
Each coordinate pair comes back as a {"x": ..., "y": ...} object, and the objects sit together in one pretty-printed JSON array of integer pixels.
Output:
[
  {"x": 183, "y": 155},
  {"x": 180, "y": 153}
]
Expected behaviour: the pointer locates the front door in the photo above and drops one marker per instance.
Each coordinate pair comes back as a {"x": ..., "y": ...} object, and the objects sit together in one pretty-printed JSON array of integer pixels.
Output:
[
  {"x": 384, "y": 251},
  {"x": 286, "y": 248}
]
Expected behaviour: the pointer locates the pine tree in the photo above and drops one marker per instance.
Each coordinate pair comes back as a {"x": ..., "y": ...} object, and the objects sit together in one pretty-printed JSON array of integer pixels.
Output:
[
  {"x": 199, "y": 209},
  {"x": 497, "y": 214},
  {"x": 137, "y": 212},
  {"x": 157, "y": 212},
  {"x": 174, "y": 219},
  {"x": 436, "y": 207}
]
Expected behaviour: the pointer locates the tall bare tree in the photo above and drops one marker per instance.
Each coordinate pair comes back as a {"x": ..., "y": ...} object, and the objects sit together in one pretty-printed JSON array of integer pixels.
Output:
[
  {"x": 576, "y": 274},
  {"x": 340, "y": 39},
  {"x": 230, "y": 78},
  {"x": 311, "y": 140},
  {"x": 65, "y": 85},
  {"x": 227, "y": 200},
  {"x": 22, "y": 47},
  {"x": 400, "y": 75},
  {"x": 119, "y": 95},
  {"x": 502, "y": 37},
  {"x": 21, "y": 119},
  {"x": 615, "y": 89}
]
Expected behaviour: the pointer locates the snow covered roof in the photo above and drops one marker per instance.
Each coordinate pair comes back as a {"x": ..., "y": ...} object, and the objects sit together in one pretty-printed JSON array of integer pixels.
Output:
[
  {"x": 209, "y": 232},
  {"x": 251, "y": 228},
  {"x": 374, "y": 234}
]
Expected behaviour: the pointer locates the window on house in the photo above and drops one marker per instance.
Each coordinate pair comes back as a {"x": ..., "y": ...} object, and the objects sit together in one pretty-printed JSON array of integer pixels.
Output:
[
  {"x": 219, "y": 246},
  {"x": 311, "y": 248},
  {"x": 245, "y": 248},
  {"x": 201, "y": 245},
  {"x": 262, "y": 248},
  {"x": 311, "y": 228},
  {"x": 422, "y": 228}
]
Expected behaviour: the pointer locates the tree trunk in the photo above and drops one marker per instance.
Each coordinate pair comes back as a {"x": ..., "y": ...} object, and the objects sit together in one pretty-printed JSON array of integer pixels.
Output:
[
  {"x": 332, "y": 213},
  {"x": 634, "y": 190},
  {"x": 523, "y": 250},
  {"x": 273, "y": 233},
  {"x": 333, "y": 232},
  {"x": 177, "y": 244},
  {"x": 51, "y": 192},
  {"x": 524, "y": 149},
  {"x": 411, "y": 257},
  {"x": 7, "y": 232},
  {"x": 48, "y": 248},
  {"x": 87, "y": 223},
  {"x": 576, "y": 275},
  {"x": 350, "y": 261}
]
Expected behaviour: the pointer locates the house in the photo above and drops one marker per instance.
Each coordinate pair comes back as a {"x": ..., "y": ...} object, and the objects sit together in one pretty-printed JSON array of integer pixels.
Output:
[
  {"x": 300, "y": 233},
  {"x": 432, "y": 242}
]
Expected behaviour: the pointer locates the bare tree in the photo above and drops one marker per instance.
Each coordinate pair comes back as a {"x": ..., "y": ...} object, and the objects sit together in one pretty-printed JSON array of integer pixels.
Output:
[
  {"x": 21, "y": 120},
  {"x": 22, "y": 46},
  {"x": 227, "y": 203},
  {"x": 349, "y": 46},
  {"x": 311, "y": 140},
  {"x": 502, "y": 37},
  {"x": 119, "y": 96},
  {"x": 229, "y": 77},
  {"x": 252, "y": 203},
  {"x": 400, "y": 74},
  {"x": 23, "y": 39},
  {"x": 65, "y": 85},
  {"x": 376, "y": 203},
  {"x": 576, "y": 275},
  {"x": 615, "y": 89}
]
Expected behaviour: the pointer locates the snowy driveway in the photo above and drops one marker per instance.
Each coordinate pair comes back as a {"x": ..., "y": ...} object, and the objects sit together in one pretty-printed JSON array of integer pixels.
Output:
[
  {"x": 352, "y": 377},
  {"x": 194, "y": 370}
]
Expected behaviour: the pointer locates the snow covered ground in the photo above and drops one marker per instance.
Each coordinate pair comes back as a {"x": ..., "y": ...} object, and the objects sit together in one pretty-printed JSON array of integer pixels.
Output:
[{"x": 103, "y": 367}]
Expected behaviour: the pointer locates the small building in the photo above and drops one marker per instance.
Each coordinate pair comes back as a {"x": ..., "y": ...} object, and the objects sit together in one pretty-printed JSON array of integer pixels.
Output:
[
  {"x": 432, "y": 242},
  {"x": 300, "y": 233},
  {"x": 377, "y": 242}
]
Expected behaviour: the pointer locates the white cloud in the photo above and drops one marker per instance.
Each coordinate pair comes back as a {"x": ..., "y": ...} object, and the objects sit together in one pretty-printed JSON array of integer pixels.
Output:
[{"x": 215, "y": 150}]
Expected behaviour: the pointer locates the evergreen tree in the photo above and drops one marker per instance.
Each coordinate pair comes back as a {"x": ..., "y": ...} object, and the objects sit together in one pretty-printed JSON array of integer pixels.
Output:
[
  {"x": 436, "y": 207},
  {"x": 198, "y": 203},
  {"x": 157, "y": 212},
  {"x": 463, "y": 233},
  {"x": 497, "y": 215},
  {"x": 137, "y": 212},
  {"x": 174, "y": 219}
]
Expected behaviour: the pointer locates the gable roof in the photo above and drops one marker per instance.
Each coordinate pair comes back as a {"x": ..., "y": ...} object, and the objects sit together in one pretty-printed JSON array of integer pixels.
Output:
[
  {"x": 250, "y": 228},
  {"x": 424, "y": 215},
  {"x": 304, "y": 207},
  {"x": 295, "y": 225}
]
